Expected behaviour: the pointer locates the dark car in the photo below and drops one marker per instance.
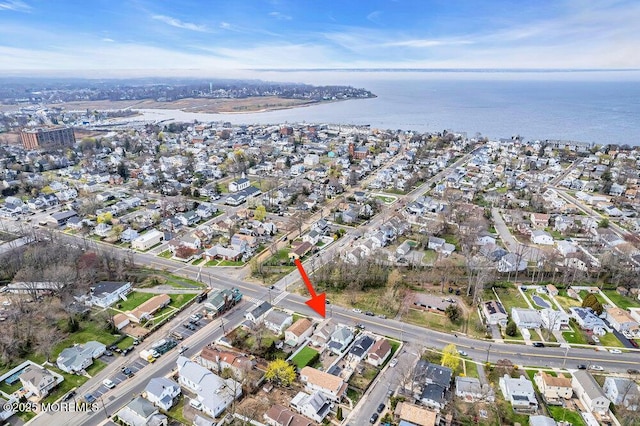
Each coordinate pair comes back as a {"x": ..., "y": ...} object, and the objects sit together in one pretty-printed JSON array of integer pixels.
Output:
[
  {"x": 538, "y": 345},
  {"x": 581, "y": 367},
  {"x": 69, "y": 396},
  {"x": 360, "y": 326},
  {"x": 374, "y": 418},
  {"x": 108, "y": 353},
  {"x": 633, "y": 371},
  {"x": 89, "y": 398},
  {"x": 127, "y": 371},
  {"x": 369, "y": 313},
  {"x": 381, "y": 408}
]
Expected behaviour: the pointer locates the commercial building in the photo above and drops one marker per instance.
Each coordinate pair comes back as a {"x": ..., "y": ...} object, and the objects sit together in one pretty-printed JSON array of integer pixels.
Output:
[{"x": 48, "y": 138}]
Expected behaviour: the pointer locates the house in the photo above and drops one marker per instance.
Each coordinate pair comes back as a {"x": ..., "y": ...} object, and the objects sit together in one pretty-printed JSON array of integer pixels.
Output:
[
  {"x": 189, "y": 218},
  {"x": 258, "y": 312},
  {"x": 589, "y": 392},
  {"x": 403, "y": 249},
  {"x": 37, "y": 381},
  {"x": 278, "y": 415},
  {"x": 539, "y": 220},
  {"x": 225, "y": 253},
  {"x": 331, "y": 386},
  {"x": 239, "y": 185},
  {"x": 552, "y": 290},
  {"x": 128, "y": 235},
  {"x": 566, "y": 248},
  {"x": 162, "y": 392},
  {"x": 147, "y": 240},
  {"x": 435, "y": 243},
  {"x": 434, "y": 380},
  {"x": 301, "y": 250},
  {"x": 379, "y": 352},
  {"x": 553, "y": 389},
  {"x": 526, "y": 318},
  {"x": 541, "y": 237},
  {"x": 277, "y": 321},
  {"x": 469, "y": 389},
  {"x": 519, "y": 393},
  {"x": 75, "y": 359},
  {"x": 218, "y": 360},
  {"x": 102, "y": 229},
  {"x": 360, "y": 348},
  {"x": 340, "y": 339},
  {"x": 214, "y": 393},
  {"x": 315, "y": 406},
  {"x": 140, "y": 412},
  {"x": 622, "y": 391},
  {"x": 121, "y": 320},
  {"x": 511, "y": 262},
  {"x": 322, "y": 334},
  {"x": 312, "y": 237},
  {"x": 7, "y": 408},
  {"x": 554, "y": 320},
  {"x": 146, "y": 310},
  {"x": 621, "y": 321},
  {"x": 298, "y": 332},
  {"x": 61, "y": 218},
  {"x": 494, "y": 313},
  {"x": 407, "y": 414},
  {"x": 588, "y": 320},
  {"x": 106, "y": 293}
]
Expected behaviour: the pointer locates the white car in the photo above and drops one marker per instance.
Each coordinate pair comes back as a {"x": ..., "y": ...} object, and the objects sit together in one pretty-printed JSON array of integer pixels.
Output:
[
  {"x": 595, "y": 339},
  {"x": 108, "y": 383},
  {"x": 615, "y": 351},
  {"x": 357, "y": 311},
  {"x": 393, "y": 362},
  {"x": 195, "y": 404},
  {"x": 596, "y": 368},
  {"x": 463, "y": 353}
]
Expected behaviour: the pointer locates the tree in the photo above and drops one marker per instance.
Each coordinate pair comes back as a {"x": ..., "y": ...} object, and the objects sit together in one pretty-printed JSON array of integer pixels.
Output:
[
  {"x": 339, "y": 415},
  {"x": 280, "y": 372},
  {"x": 590, "y": 301},
  {"x": 123, "y": 171},
  {"x": 450, "y": 357},
  {"x": 453, "y": 312},
  {"x": 512, "y": 329},
  {"x": 260, "y": 214},
  {"x": 604, "y": 223}
]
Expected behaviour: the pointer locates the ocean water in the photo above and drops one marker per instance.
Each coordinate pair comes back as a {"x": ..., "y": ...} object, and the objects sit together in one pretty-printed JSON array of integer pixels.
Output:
[{"x": 600, "y": 107}]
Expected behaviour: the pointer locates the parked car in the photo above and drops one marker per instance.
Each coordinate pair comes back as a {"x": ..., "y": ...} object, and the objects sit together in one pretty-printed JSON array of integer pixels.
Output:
[
  {"x": 195, "y": 404},
  {"x": 108, "y": 383},
  {"x": 89, "y": 398},
  {"x": 538, "y": 345},
  {"x": 393, "y": 362},
  {"x": 69, "y": 396},
  {"x": 463, "y": 353},
  {"x": 127, "y": 372},
  {"x": 369, "y": 314},
  {"x": 374, "y": 418},
  {"x": 360, "y": 326},
  {"x": 595, "y": 339},
  {"x": 596, "y": 368},
  {"x": 381, "y": 408},
  {"x": 357, "y": 311},
  {"x": 381, "y": 316},
  {"x": 581, "y": 367},
  {"x": 615, "y": 351},
  {"x": 108, "y": 353},
  {"x": 633, "y": 371}
]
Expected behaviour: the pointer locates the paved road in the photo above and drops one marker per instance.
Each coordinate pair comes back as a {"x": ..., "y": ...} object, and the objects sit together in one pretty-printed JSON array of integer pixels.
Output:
[{"x": 529, "y": 253}]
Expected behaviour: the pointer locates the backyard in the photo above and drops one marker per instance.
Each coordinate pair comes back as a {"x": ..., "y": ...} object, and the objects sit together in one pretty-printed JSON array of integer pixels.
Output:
[
  {"x": 305, "y": 357},
  {"x": 134, "y": 299},
  {"x": 621, "y": 301}
]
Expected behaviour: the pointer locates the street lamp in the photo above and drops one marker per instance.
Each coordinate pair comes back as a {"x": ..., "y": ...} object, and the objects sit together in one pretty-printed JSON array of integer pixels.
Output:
[{"x": 488, "y": 349}]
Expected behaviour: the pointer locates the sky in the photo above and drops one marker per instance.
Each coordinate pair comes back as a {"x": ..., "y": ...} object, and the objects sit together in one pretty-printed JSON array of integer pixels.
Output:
[{"x": 305, "y": 34}]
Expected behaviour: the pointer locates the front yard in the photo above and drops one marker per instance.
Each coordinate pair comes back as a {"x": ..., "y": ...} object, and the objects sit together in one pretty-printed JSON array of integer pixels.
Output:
[{"x": 134, "y": 299}]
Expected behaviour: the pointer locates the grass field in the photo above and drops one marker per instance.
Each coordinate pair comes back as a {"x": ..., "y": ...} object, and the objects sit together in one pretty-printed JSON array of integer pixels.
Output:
[
  {"x": 560, "y": 414},
  {"x": 610, "y": 339},
  {"x": 89, "y": 330},
  {"x": 620, "y": 300},
  {"x": 134, "y": 299},
  {"x": 304, "y": 357},
  {"x": 166, "y": 254},
  {"x": 510, "y": 298},
  {"x": 179, "y": 300},
  {"x": 576, "y": 336}
]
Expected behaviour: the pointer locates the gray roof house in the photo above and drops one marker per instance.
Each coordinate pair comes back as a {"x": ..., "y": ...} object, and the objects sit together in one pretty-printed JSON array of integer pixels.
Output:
[
  {"x": 541, "y": 421},
  {"x": 140, "y": 412},
  {"x": 277, "y": 321},
  {"x": 589, "y": 392},
  {"x": 257, "y": 313},
  {"x": 315, "y": 406},
  {"x": 433, "y": 380},
  {"x": 162, "y": 392},
  {"x": 214, "y": 393},
  {"x": 38, "y": 381},
  {"x": 78, "y": 357},
  {"x": 340, "y": 339},
  {"x": 519, "y": 392},
  {"x": 106, "y": 293},
  {"x": 361, "y": 347},
  {"x": 469, "y": 389},
  {"x": 621, "y": 391}
]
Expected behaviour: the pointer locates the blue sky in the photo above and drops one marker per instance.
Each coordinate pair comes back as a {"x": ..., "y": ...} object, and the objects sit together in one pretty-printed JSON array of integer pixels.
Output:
[{"x": 246, "y": 34}]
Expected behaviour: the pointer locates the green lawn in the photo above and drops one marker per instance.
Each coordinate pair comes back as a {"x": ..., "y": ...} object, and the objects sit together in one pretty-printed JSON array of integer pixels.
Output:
[
  {"x": 621, "y": 301},
  {"x": 4, "y": 387},
  {"x": 231, "y": 263},
  {"x": 584, "y": 293},
  {"x": 212, "y": 263},
  {"x": 96, "y": 367},
  {"x": 176, "y": 411},
  {"x": 179, "y": 300},
  {"x": 198, "y": 261},
  {"x": 386, "y": 200},
  {"x": 134, "y": 299},
  {"x": 576, "y": 336},
  {"x": 304, "y": 357},
  {"x": 166, "y": 254},
  {"x": 471, "y": 369},
  {"x": 567, "y": 302},
  {"x": 510, "y": 298},
  {"x": 89, "y": 330},
  {"x": 125, "y": 343},
  {"x": 610, "y": 339},
  {"x": 429, "y": 257},
  {"x": 560, "y": 414}
]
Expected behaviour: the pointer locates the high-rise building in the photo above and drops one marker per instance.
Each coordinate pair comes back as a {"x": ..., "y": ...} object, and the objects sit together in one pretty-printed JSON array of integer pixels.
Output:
[{"x": 48, "y": 138}]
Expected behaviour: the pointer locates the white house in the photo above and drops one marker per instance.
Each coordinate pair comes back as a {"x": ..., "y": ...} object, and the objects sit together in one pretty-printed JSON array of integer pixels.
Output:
[
  {"x": 298, "y": 332},
  {"x": 141, "y": 412},
  {"x": 511, "y": 262},
  {"x": 162, "y": 392},
  {"x": 621, "y": 320},
  {"x": 565, "y": 247},
  {"x": 37, "y": 381},
  {"x": 519, "y": 392},
  {"x": 469, "y": 389},
  {"x": 554, "y": 389},
  {"x": 277, "y": 321},
  {"x": 147, "y": 240},
  {"x": 214, "y": 393},
  {"x": 589, "y": 392},
  {"x": 622, "y": 391},
  {"x": 526, "y": 318},
  {"x": 541, "y": 237},
  {"x": 239, "y": 185},
  {"x": 588, "y": 320},
  {"x": 106, "y": 293},
  {"x": 554, "y": 320},
  {"x": 494, "y": 313},
  {"x": 78, "y": 357},
  {"x": 315, "y": 406}
]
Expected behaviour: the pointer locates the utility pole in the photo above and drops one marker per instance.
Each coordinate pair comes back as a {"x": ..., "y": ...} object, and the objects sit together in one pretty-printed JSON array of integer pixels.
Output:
[{"x": 488, "y": 350}]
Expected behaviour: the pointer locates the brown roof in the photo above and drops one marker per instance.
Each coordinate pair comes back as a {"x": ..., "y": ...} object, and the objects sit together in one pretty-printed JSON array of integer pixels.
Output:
[
  {"x": 620, "y": 315},
  {"x": 302, "y": 249},
  {"x": 282, "y": 416},
  {"x": 300, "y": 326},
  {"x": 414, "y": 414},
  {"x": 118, "y": 318},
  {"x": 560, "y": 381},
  {"x": 322, "y": 379},
  {"x": 151, "y": 305},
  {"x": 232, "y": 358},
  {"x": 380, "y": 348}
]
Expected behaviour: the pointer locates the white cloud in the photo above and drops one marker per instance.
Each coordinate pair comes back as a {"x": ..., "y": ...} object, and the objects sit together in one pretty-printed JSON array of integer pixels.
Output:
[
  {"x": 426, "y": 43},
  {"x": 280, "y": 16},
  {"x": 180, "y": 24},
  {"x": 14, "y": 5},
  {"x": 108, "y": 40},
  {"x": 374, "y": 16}
]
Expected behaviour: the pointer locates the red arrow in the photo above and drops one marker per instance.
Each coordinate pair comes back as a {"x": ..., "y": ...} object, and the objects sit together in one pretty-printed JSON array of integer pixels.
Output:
[{"x": 317, "y": 301}]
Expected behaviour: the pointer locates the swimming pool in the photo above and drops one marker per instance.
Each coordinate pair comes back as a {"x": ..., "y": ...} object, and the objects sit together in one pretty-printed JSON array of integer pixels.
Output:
[{"x": 540, "y": 301}]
